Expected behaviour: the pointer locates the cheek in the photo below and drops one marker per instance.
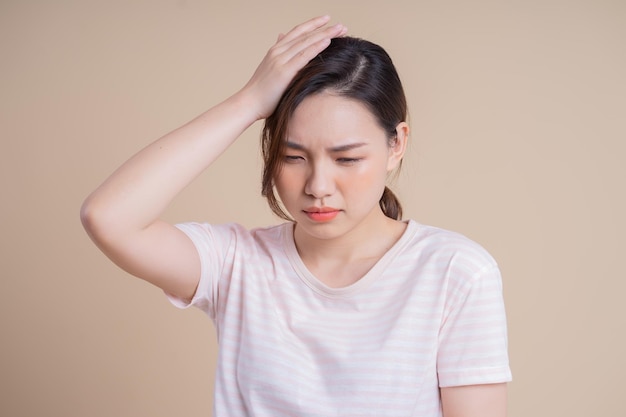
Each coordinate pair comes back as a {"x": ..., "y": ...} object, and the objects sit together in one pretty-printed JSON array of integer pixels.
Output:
[
  {"x": 368, "y": 179},
  {"x": 375, "y": 172},
  {"x": 286, "y": 183}
]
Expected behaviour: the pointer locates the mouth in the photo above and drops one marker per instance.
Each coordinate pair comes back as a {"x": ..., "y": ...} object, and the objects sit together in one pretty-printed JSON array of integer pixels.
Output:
[{"x": 321, "y": 214}]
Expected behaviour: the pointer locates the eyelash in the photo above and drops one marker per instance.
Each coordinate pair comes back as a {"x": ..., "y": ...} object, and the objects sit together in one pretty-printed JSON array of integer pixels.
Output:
[
  {"x": 344, "y": 161},
  {"x": 292, "y": 158},
  {"x": 348, "y": 161}
]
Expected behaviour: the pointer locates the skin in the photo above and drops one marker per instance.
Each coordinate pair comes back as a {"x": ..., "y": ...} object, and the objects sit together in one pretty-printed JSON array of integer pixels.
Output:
[
  {"x": 488, "y": 400},
  {"x": 338, "y": 158},
  {"x": 122, "y": 216}
]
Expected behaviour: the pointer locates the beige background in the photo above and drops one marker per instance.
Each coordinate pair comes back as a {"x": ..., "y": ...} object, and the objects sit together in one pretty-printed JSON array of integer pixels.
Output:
[{"x": 518, "y": 113}]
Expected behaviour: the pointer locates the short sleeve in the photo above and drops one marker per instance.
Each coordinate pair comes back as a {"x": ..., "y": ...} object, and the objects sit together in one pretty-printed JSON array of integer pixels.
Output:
[
  {"x": 212, "y": 243},
  {"x": 473, "y": 335}
]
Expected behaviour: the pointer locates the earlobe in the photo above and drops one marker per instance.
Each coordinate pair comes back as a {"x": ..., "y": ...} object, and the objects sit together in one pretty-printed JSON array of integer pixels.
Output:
[{"x": 398, "y": 147}]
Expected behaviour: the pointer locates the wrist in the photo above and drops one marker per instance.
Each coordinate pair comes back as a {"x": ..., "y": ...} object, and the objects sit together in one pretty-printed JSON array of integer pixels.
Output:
[{"x": 248, "y": 105}]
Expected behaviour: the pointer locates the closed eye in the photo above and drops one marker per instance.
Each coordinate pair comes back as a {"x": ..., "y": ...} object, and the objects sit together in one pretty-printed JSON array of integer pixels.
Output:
[
  {"x": 348, "y": 161},
  {"x": 293, "y": 158}
]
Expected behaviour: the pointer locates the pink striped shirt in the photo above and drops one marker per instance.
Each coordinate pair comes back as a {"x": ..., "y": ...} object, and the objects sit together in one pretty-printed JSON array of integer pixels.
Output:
[{"x": 429, "y": 314}]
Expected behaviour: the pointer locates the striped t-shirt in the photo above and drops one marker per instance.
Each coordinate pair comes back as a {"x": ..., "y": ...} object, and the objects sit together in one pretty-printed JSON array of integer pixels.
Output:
[{"x": 429, "y": 314}]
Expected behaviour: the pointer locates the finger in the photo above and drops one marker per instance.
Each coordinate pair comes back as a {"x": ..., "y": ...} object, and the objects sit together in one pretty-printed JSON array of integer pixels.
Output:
[
  {"x": 280, "y": 37},
  {"x": 306, "y": 44},
  {"x": 303, "y": 56},
  {"x": 308, "y": 26},
  {"x": 312, "y": 44}
]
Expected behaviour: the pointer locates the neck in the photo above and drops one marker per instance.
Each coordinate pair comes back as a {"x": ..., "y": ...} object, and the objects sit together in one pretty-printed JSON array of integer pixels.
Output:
[{"x": 370, "y": 239}]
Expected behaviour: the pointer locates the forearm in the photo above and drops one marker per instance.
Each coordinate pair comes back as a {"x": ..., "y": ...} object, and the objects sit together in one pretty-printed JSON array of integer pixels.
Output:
[{"x": 136, "y": 194}]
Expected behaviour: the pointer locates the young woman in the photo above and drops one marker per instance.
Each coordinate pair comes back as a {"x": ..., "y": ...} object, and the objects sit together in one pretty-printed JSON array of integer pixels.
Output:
[{"x": 343, "y": 310}]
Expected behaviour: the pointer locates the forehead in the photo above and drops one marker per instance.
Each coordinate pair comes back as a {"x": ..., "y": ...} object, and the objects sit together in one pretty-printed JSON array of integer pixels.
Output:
[{"x": 328, "y": 118}]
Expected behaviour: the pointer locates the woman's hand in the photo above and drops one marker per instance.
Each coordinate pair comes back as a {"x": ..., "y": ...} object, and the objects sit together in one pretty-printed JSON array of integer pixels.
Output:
[{"x": 289, "y": 54}]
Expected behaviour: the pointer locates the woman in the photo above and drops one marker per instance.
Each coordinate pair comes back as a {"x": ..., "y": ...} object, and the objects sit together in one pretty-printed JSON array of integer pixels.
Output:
[{"x": 343, "y": 310}]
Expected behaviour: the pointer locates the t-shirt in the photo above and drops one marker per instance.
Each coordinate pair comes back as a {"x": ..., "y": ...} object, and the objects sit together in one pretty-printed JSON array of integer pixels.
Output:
[{"x": 429, "y": 314}]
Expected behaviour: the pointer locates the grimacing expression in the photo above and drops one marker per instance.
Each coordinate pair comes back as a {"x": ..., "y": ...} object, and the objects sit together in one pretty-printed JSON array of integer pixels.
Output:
[{"x": 336, "y": 162}]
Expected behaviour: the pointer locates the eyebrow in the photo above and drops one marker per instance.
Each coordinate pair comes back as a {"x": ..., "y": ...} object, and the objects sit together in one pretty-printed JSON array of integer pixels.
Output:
[{"x": 340, "y": 148}]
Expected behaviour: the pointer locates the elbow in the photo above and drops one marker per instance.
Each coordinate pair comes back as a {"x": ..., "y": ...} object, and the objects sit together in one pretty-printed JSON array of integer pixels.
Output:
[
  {"x": 87, "y": 216},
  {"x": 93, "y": 219},
  {"x": 107, "y": 224}
]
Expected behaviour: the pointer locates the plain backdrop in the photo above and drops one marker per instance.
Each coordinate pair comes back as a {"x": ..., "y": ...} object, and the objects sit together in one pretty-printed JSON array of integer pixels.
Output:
[{"x": 518, "y": 138}]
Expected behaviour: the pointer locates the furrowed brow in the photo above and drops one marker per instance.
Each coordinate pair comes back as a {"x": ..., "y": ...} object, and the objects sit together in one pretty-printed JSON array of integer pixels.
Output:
[
  {"x": 333, "y": 149},
  {"x": 347, "y": 147},
  {"x": 296, "y": 146}
]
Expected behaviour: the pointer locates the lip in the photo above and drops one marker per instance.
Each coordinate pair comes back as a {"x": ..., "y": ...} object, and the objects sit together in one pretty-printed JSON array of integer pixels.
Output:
[{"x": 321, "y": 214}]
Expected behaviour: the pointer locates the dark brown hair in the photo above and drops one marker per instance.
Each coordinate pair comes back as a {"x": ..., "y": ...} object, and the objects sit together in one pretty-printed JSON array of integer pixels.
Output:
[{"x": 350, "y": 67}]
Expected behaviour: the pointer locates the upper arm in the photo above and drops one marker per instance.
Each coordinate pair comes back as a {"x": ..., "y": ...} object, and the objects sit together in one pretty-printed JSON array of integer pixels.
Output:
[
  {"x": 161, "y": 254},
  {"x": 487, "y": 400}
]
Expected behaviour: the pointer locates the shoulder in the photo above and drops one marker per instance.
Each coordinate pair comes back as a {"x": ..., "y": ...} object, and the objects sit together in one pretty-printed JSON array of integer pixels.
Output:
[
  {"x": 444, "y": 242},
  {"x": 449, "y": 252}
]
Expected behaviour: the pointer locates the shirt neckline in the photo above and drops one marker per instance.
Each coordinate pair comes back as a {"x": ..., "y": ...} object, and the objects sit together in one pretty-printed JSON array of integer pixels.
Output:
[{"x": 372, "y": 275}]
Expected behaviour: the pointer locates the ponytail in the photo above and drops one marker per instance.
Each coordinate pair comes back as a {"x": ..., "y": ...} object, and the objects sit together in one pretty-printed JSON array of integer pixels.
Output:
[{"x": 390, "y": 205}]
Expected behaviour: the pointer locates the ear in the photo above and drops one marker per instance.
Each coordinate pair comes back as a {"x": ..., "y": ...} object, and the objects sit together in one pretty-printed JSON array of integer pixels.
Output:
[{"x": 398, "y": 147}]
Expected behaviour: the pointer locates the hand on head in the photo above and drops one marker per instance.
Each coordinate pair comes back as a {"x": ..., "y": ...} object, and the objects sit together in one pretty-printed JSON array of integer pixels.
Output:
[{"x": 286, "y": 57}]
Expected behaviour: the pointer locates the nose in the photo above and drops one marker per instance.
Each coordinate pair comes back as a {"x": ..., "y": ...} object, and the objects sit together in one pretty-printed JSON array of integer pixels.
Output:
[{"x": 320, "y": 182}]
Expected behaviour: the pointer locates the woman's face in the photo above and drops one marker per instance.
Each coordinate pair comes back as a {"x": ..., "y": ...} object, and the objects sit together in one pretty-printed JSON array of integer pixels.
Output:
[{"x": 335, "y": 166}]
